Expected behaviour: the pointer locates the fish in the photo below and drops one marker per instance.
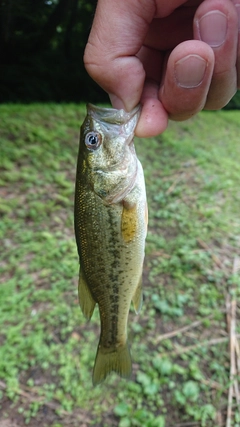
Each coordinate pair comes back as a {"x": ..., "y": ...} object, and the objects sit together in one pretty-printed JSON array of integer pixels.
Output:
[{"x": 110, "y": 219}]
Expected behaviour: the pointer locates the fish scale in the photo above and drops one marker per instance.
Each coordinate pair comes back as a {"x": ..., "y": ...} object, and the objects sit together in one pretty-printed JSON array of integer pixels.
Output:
[{"x": 110, "y": 227}]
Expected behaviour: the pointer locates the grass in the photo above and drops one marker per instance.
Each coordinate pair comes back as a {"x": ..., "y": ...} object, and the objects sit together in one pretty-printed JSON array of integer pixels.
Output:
[{"x": 47, "y": 350}]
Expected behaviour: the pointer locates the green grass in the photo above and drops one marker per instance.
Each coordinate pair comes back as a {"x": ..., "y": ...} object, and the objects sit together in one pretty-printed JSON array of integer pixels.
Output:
[{"x": 47, "y": 349}]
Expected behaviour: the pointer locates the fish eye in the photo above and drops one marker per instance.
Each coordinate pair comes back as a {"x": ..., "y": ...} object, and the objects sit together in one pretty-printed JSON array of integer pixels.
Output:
[{"x": 93, "y": 140}]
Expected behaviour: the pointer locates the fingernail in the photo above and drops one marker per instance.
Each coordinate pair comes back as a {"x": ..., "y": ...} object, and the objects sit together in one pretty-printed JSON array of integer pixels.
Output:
[
  {"x": 119, "y": 104},
  {"x": 116, "y": 102},
  {"x": 189, "y": 71},
  {"x": 213, "y": 28}
]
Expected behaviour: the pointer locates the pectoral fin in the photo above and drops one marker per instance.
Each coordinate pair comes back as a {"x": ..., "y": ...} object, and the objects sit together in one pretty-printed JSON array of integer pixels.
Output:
[
  {"x": 86, "y": 300},
  {"x": 138, "y": 298},
  {"x": 129, "y": 222}
]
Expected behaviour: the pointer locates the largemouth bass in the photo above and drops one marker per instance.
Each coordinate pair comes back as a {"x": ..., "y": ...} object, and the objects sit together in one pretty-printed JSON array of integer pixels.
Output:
[{"x": 110, "y": 227}]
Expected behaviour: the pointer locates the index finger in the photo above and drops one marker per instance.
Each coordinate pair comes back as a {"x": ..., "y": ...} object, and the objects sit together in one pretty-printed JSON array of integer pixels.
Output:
[{"x": 118, "y": 32}]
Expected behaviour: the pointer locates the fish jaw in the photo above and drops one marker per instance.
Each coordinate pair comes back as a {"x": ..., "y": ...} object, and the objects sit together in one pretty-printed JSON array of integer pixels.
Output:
[{"x": 111, "y": 170}]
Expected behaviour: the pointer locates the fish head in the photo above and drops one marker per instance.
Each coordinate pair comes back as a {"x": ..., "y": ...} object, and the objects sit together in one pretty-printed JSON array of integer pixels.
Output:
[{"x": 107, "y": 151}]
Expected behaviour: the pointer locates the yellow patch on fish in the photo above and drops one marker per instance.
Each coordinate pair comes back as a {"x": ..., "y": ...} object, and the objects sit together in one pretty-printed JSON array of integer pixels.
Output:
[{"x": 129, "y": 222}]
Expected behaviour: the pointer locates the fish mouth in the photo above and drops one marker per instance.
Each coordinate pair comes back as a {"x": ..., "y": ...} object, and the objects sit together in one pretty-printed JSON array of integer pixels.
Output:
[
  {"x": 115, "y": 121},
  {"x": 113, "y": 115}
]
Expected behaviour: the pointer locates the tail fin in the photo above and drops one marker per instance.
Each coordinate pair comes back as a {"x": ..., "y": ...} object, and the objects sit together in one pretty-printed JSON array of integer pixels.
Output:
[{"x": 112, "y": 359}]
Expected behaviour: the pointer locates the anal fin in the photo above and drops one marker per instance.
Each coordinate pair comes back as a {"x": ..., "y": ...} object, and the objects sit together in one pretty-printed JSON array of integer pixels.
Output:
[{"x": 86, "y": 300}]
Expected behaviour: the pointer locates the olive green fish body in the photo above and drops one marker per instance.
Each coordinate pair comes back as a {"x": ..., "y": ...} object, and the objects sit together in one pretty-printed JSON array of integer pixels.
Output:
[{"x": 110, "y": 227}]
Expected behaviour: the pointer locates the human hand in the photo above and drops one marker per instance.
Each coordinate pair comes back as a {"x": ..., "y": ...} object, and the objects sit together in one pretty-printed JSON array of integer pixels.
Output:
[{"x": 175, "y": 57}]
